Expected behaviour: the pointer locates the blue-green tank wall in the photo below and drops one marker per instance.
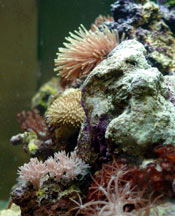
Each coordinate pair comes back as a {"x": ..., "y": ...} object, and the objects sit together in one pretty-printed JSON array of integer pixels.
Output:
[{"x": 18, "y": 79}]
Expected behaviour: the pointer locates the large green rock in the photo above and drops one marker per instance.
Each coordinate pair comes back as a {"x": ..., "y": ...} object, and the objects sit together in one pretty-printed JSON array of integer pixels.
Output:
[{"x": 135, "y": 99}]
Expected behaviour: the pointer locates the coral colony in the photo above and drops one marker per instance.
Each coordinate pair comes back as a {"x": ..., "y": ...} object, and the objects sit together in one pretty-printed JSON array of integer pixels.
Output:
[{"x": 103, "y": 142}]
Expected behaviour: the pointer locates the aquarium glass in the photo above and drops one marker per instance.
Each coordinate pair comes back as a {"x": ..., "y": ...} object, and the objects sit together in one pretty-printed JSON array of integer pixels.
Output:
[{"x": 31, "y": 32}]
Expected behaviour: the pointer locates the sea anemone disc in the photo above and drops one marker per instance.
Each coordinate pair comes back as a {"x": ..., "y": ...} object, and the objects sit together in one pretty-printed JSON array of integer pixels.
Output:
[{"x": 84, "y": 50}]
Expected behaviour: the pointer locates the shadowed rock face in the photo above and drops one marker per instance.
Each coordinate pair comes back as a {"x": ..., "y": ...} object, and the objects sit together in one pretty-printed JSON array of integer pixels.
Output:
[{"x": 134, "y": 98}]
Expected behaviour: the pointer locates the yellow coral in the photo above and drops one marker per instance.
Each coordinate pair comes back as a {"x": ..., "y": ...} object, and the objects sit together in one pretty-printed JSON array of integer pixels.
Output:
[
  {"x": 66, "y": 111},
  {"x": 32, "y": 147}
]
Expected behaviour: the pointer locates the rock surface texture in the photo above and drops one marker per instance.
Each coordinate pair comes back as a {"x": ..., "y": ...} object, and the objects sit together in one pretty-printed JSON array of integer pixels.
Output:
[
  {"x": 134, "y": 100},
  {"x": 146, "y": 22}
]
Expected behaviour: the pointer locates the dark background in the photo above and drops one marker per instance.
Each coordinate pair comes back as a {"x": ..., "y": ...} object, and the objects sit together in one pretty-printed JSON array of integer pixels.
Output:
[
  {"x": 31, "y": 32},
  {"x": 58, "y": 18}
]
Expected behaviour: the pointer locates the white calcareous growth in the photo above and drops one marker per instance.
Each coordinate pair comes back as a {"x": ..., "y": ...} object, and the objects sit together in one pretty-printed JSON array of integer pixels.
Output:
[{"x": 135, "y": 98}]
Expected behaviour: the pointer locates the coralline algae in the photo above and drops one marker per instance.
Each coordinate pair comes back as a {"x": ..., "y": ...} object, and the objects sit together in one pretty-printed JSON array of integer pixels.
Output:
[
  {"x": 135, "y": 98},
  {"x": 144, "y": 21}
]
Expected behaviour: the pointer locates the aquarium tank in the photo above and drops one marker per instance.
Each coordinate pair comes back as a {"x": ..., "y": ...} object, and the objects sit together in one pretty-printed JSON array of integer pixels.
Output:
[{"x": 87, "y": 101}]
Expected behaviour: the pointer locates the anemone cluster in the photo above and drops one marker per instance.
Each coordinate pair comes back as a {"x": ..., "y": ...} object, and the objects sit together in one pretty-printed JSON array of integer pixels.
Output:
[{"x": 103, "y": 142}]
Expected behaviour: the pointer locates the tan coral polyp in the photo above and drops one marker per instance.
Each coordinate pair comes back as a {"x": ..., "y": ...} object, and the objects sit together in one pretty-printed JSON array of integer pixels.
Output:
[{"x": 66, "y": 110}]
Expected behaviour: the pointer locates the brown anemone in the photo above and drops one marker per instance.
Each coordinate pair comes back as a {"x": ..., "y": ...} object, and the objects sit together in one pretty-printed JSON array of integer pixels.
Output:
[{"x": 84, "y": 50}]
